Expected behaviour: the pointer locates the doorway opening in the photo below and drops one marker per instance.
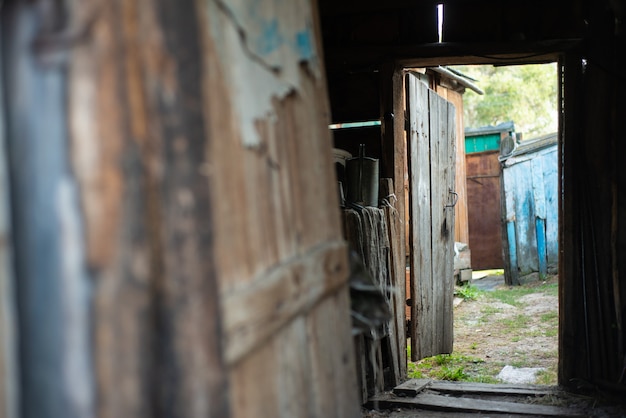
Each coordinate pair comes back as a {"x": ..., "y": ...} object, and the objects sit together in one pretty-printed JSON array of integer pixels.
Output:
[{"x": 506, "y": 313}]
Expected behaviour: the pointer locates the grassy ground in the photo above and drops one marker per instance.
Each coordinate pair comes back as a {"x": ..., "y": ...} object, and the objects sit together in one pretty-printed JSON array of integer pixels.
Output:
[{"x": 514, "y": 326}]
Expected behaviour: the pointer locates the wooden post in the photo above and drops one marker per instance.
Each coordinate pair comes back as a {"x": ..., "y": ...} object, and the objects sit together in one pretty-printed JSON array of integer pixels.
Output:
[
  {"x": 394, "y": 161},
  {"x": 9, "y": 377}
]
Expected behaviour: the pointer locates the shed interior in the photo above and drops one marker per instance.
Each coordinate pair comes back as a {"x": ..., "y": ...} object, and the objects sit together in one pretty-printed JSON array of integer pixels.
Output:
[
  {"x": 369, "y": 44},
  {"x": 170, "y": 239}
]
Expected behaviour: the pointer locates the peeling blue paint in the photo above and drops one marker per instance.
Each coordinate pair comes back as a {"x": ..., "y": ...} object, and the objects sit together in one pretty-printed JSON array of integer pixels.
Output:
[
  {"x": 531, "y": 191},
  {"x": 510, "y": 232},
  {"x": 304, "y": 45},
  {"x": 542, "y": 257},
  {"x": 270, "y": 38}
]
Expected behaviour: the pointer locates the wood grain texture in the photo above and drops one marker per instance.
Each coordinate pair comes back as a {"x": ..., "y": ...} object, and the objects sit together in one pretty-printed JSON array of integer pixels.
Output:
[
  {"x": 432, "y": 154},
  {"x": 51, "y": 297},
  {"x": 282, "y": 266},
  {"x": 253, "y": 315},
  {"x": 418, "y": 144},
  {"x": 460, "y": 405},
  {"x": 8, "y": 315},
  {"x": 140, "y": 145},
  {"x": 397, "y": 273}
]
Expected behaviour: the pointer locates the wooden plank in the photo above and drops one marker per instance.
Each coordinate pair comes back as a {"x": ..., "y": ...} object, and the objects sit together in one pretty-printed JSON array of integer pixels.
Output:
[
  {"x": 52, "y": 281},
  {"x": 8, "y": 314},
  {"x": 400, "y": 164},
  {"x": 254, "y": 314},
  {"x": 361, "y": 358},
  {"x": 418, "y": 143},
  {"x": 414, "y": 386},
  {"x": 411, "y": 387},
  {"x": 461, "y": 227},
  {"x": 490, "y": 388},
  {"x": 450, "y": 213},
  {"x": 457, "y": 405},
  {"x": 441, "y": 171},
  {"x": 439, "y": 197},
  {"x": 333, "y": 377},
  {"x": 397, "y": 274},
  {"x": 254, "y": 383}
]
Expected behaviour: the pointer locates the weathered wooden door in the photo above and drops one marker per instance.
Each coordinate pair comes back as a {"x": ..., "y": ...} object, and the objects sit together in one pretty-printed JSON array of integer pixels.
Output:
[
  {"x": 175, "y": 241},
  {"x": 431, "y": 149}
]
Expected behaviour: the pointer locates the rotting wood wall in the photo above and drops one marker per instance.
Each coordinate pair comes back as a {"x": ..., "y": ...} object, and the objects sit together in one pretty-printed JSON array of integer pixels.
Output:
[
  {"x": 593, "y": 292},
  {"x": 175, "y": 254}
]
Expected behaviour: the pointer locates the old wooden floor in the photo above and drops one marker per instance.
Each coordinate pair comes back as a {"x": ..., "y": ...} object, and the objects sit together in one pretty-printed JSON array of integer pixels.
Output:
[{"x": 427, "y": 398}]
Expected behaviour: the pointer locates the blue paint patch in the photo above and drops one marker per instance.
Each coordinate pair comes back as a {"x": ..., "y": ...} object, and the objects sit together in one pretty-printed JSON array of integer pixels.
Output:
[
  {"x": 270, "y": 38},
  {"x": 510, "y": 231},
  {"x": 304, "y": 45},
  {"x": 540, "y": 227}
]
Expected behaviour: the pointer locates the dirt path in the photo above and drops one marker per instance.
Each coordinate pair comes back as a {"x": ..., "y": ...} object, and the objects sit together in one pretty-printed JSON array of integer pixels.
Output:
[{"x": 519, "y": 329}]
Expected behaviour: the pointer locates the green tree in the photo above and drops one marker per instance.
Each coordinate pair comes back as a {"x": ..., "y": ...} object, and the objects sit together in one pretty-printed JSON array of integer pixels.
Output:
[{"x": 524, "y": 94}]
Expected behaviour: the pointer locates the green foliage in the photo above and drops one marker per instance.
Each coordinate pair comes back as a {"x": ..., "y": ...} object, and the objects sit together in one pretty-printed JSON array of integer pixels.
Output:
[
  {"x": 490, "y": 310},
  {"x": 550, "y": 317},
  {"x": 466, "y": 291},
  {"x": 526, "y": 95},
  {"x": 451, "y": 373},
  {"x": 548, "y": 376},
  {"x": 552, "y": 332},
  {"x": 512, "y": 294},
  {"x": 444, "y": 367},
  {"x": 516, "y": 323}
]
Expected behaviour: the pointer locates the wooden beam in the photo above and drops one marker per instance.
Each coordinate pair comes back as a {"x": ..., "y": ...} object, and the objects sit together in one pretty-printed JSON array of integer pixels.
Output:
[
  {"x": 334, "y": 8},
  {"x": 253, "y": 314},
  {"x": 447, "y": 53},
  {"x": 470, "y": 405},
  {"x": 414, "y": 386}
]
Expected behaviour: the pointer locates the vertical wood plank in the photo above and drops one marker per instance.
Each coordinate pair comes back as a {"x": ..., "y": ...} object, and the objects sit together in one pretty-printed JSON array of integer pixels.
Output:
[
  {"x": 418, "y": 142},
  {"x": 570, "y": 280},
  {"x": 461, "y": 229},
  {"x": 333, "y": 379},
  {"x": 400, "y": 164},
  {"x": 432, "y": 180},
  {"x": 439, "y": 195},
  {"x": 397, "y": 273},
  {"x": 448, "y": 293},
  {"x": 9, "y": 378},
  {"x": 137, "y": 101},
  {"x": 53, "y": 289}
]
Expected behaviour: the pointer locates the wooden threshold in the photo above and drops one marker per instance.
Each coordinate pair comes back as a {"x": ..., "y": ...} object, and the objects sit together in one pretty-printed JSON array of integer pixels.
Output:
[{"x": 456, "y": 397}]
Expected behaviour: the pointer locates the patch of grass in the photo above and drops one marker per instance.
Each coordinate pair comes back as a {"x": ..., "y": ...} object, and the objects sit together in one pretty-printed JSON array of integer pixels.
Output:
[
  {"x": 534, "y": 333},
  {"x": 467, "y": 291},
  {"x": 515, "y": 339},
  {"x": 512, "y": 294},
  {"x": 451, "y": 373},
  {"x": 473, "y": 346},
  {"x": 412, "y": 371},
  {"x": 550, "y": 317},
  {"x": 483, "y": 379},
  {"x": 454, "y": 367},
  {"x": 516, "y": 323},
  {"x": 490, "y": 310},
  {"x": 551, "y": 332},
  {"x": 547, "y": 377}
]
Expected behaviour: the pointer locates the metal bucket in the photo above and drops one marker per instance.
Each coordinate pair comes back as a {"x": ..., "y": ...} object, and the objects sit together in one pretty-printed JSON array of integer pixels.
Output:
[{"x": 362, "y": 179}]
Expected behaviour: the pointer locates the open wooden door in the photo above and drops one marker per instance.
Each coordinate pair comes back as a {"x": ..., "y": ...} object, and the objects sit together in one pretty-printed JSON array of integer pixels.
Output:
[{"x": 431, "y": 156}]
